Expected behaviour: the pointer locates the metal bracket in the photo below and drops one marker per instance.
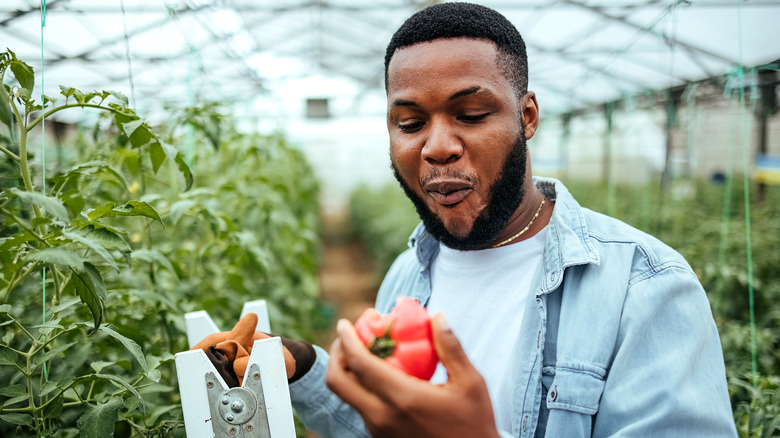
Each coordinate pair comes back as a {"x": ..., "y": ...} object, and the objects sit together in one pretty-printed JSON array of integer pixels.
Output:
[
  {"x": 258, "y": 409},
  {"x": 238, "y": 412}
]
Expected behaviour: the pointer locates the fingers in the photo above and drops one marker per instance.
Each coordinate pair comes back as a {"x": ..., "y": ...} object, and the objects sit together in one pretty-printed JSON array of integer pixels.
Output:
[
  {"x": 450, "y": 351},
  {"x": 376, "y": 375},
  {"x": 345, "y": 384}
]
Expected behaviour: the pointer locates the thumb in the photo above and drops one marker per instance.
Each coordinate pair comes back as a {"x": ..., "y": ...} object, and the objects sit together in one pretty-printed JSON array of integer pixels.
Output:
[{"x": 451, "y": 353}]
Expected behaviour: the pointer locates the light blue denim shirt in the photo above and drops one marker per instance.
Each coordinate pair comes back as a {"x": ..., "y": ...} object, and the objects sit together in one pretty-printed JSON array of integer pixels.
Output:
[{"x": 619, "y": 339}]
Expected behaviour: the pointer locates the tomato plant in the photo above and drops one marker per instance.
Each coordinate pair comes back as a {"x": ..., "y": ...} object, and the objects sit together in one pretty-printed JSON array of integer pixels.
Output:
[
  {"x": 136, "y": 226},
  {"x": 403, "y": 337}
]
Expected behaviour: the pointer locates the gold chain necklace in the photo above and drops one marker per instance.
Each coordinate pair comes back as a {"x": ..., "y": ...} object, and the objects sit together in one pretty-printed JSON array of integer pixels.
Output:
[{"x": 524, "y": 229}]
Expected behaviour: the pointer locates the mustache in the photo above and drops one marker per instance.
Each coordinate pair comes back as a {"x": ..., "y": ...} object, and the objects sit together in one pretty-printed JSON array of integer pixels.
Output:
[{"x": 449, "y": 173}]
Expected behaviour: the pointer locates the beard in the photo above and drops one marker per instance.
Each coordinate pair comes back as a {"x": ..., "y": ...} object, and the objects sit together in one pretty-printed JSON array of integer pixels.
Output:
[{"x": 505, "y": 195}]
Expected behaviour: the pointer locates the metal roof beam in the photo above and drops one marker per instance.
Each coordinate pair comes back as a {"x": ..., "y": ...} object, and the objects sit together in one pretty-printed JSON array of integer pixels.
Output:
[
  {"x": 85, "y": 54},
  {"x": 598, "y": 10},
  {"x": 16, "y": 13}
]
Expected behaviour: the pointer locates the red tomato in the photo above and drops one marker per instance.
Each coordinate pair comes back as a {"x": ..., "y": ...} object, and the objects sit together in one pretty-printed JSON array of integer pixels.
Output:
[{"x": 403, "y": 337}]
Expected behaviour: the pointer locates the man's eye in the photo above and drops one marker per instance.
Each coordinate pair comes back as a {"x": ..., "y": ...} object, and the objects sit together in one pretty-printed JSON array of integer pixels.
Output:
[
  {"x": 410, "y": 127},
  {"x": 473, "y": 118}
]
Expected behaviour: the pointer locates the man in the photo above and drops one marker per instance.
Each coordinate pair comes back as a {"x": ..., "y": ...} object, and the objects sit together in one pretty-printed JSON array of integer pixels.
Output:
[{"x": 560, "y": 322}]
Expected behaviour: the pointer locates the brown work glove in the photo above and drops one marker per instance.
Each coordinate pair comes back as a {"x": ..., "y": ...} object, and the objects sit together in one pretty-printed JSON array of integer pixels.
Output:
[{"x": 229, "y": 351}]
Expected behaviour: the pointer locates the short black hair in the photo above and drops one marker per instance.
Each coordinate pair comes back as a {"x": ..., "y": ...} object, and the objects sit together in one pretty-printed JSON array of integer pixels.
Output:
[{"x": 456, "y": 20}]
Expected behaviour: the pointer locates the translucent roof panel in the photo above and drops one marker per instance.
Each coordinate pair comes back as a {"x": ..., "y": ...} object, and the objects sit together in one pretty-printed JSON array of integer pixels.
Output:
[{"x": 179, "y": 52}]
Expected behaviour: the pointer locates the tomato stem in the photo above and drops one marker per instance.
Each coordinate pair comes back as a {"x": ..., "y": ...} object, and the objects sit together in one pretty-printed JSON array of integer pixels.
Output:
[{"x": 382, "y": 346}]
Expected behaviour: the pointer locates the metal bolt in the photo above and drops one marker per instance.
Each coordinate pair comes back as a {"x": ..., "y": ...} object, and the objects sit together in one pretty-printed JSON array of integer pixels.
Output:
[
  {"x": 232, "y": 431},
  {"x": 248, "y": 427},
  {"x": 225, "y": 401},
  {"x": 209, "y": 385},
  {"x": 237, "y": 406},
  {"x": 256, "y": 376},
  {"x": 230, "y": 417}
]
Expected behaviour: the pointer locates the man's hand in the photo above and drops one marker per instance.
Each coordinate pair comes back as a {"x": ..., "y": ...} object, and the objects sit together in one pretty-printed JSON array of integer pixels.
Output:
[{"x": 394, "y": 404}]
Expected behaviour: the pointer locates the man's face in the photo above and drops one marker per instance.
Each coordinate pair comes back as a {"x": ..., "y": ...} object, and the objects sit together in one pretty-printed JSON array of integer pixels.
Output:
[{"x": 456, "y": 140}]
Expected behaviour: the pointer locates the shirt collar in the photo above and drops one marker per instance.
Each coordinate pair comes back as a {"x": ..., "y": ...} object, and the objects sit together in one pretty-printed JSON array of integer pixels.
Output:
[{"x": 567, "y": 243}]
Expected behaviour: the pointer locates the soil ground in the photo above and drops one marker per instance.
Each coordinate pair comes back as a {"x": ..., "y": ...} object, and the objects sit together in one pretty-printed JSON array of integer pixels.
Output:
[{"x": 348, "y": 281}]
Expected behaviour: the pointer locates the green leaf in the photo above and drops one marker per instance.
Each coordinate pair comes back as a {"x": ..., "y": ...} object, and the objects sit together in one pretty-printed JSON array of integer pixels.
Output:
[
  {"x": 47, "y": 387},
  {"x": 8, "y": 337},
  {"x": 63, "y": 305},
  {"x": 130, "y": 344},
  {"x": 153, "y": 257},
  {"x": 89, "y": 96},
  {"x": 89, "y": 287},
  {"x": 66, "y": 91},
  {"x": 184, "y": 168},
  {"x": 15, "y": 400},
  {"x": 132, "y": 208},
  {"x": 79, "y": 96},
  {"x": 24, "y": 74},
  {"x": 106, "y": 237},
  {"x": 103, "y": 210},
  {"x": 58, "y": 256},
  {"x": 100, "y": 364},
  {"x": 48, "y": 99},
  {"x": 38, "y": 221},
  {"x": 179, "y": 208},
  {"x": 7, "y": 356},
  {"x": 118, "y": 381},
  {"x": 98, "y": 421},
  {"x": 138, "y": 132},
  {"x": 77, "y": 236},
  {"x": 130, "y": 127},
  {"x": 154, "y": 375},
  {"x": 5, "y": 308},
  {"x": 6, "y": 115},
  {"x": 53, "y": 408},
  {"x": 118, "y": 96},
  {"x": 51, "y": 354},
  {"x": 97, "y": 167},
  {"x": 24, "y": 94},
  {"x": 52, "y": 205},
  {"x": 173, "y": 154},
  {"x": 18, "y": 419},
  {"x": 157, "y": 155},
  {"x": 14, "y": 390},
  {"x": 47, "y": 327},
  {"x": 96, "y": 278}
]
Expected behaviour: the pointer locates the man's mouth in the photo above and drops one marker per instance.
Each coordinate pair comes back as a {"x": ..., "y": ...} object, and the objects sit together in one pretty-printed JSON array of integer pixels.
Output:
[{"x": 448, "y": 192}]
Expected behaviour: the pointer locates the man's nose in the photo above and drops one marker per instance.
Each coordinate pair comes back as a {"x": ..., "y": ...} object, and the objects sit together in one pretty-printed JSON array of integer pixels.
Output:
[{"x": 442, "y": 145}]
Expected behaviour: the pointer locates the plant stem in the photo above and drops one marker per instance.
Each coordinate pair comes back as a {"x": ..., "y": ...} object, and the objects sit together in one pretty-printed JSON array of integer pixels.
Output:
[
  {"x": 57, "y": 291},
  {"x": 23, "y": 166},
  {"x": 23, "y": 225},
  {"x": 10, "y": 154},
  {"x": 16, "y": 279},
  {"x": 48, "y": 113},
  {"x": 23, "y": 329}
]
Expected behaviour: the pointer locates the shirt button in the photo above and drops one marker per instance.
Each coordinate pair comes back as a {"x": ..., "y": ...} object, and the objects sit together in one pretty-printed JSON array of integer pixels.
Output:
[
  {"x": 554, "y": 393},
  {"x": 552, "y": 276}
]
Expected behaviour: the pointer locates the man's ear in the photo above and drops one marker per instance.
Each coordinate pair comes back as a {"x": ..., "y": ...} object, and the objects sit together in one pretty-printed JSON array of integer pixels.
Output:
[{"x": 529, "y": 110}]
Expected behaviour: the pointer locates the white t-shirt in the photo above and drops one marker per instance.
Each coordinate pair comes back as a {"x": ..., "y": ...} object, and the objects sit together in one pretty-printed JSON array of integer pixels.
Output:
[{"x": 483, "y": 294}]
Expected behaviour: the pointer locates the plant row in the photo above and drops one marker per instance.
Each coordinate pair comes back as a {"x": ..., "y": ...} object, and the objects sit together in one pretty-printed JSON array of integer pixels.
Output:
[{"x": 132, "y": 227}]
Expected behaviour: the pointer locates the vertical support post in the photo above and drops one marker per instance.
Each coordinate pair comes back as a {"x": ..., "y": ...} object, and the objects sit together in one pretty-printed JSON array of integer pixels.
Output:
[
  {"x": 767, "y": 83},
  {"x": 609, "y": 165},
  {"x": 565, "y": 139},
  {"x": 690, "y": 144},
  {"x": 672, "y": 101}
]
